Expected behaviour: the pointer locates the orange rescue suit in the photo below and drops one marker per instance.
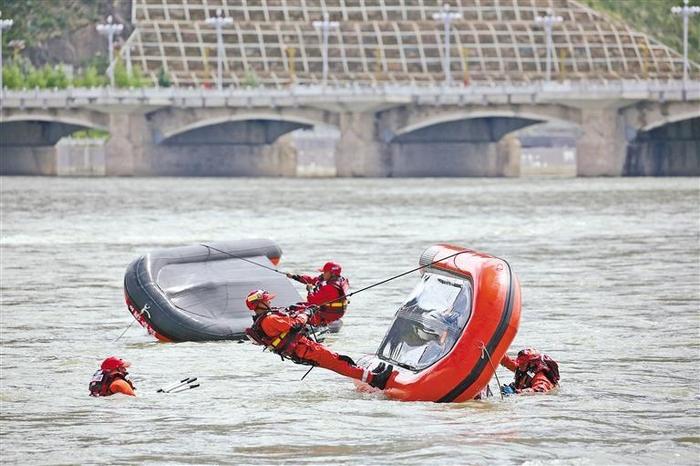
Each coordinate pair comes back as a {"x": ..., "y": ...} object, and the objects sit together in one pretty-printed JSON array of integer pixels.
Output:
[
  {"x": 330, "y": 295},
  {"x": 282, "y": 333},
  {"x": 524, "y": 382}
]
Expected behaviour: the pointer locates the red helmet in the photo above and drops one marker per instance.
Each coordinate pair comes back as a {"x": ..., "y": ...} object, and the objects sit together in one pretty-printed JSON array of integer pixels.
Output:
[
  {"x": 525, "y": 357},
  {"x": 256, "y": 296},
  {"x": 113, "y": 363},
  {"x": 331, "y": 267}
]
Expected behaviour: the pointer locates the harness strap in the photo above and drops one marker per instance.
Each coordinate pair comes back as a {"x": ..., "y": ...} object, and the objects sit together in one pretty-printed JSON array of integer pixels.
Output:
[{"x": 279, "y": 338}]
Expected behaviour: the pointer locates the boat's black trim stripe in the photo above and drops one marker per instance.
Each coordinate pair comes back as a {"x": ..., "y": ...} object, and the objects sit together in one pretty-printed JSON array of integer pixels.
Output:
[{"x": 495, "y": 340}]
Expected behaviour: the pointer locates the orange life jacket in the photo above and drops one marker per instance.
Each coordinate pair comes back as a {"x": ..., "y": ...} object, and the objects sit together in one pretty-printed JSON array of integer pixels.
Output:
[
  {"x": 339, "y": 283},
  {"x": 101, "y": 381},
  {"x": 277, "y": 344}
]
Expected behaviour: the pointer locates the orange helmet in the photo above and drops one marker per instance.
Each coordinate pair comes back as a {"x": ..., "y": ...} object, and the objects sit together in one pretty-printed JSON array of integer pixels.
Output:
[
  {"x": 113, "y": 363},
  {"x": 331, "y": 267},
  {"x": 258, "y": 296}
]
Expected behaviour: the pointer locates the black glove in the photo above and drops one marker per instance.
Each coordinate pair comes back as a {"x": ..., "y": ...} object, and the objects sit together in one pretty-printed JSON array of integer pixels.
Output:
[{"x": 297, "y": 327}]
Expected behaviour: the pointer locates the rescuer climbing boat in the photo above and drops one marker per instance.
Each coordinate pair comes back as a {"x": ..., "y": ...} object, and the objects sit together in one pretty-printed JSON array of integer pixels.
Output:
[
  {"x": 196, "y": 293},
  {"x": 454, "y": 328}
]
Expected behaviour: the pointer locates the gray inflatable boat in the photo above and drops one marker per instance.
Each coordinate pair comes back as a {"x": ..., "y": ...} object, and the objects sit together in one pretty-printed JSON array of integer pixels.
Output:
[{"x": 197, "y": 293}]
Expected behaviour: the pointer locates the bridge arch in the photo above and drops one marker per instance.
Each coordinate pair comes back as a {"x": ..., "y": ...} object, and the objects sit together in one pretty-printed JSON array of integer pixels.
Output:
[
  {"x": 431, "y": 117},
  {"x": 463, "y": 140},
  {"x": 647, "y": 116},
  {"x": 671, "y": 149},
  {"x": 92, "y": 120},
  {"x": 663, "y": 139},
  {"x": 682, "y": 115},
  {"x": 31, "y": 127},
  {"x": 28, "y": 139},
  {"x": 232, "y": 125}
]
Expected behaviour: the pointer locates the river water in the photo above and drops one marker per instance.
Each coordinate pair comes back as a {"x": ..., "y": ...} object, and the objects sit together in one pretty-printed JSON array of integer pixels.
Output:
[{"x": 610, "y": 272}]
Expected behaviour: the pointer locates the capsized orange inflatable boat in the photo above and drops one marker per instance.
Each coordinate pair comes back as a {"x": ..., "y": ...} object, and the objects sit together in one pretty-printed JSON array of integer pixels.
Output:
[{"x": 451, "y": 332}]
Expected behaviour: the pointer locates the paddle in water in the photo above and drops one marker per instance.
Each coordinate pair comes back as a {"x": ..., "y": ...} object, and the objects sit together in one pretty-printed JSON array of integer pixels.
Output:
[{"x": 178, "y": 384}]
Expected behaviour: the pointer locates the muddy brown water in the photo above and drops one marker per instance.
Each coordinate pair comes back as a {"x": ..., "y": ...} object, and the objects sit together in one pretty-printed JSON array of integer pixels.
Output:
[{"x": 610, "y": 273}]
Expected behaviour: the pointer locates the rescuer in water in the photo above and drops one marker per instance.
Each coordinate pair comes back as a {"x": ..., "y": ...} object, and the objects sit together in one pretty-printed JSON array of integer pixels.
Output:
[
  {"x": 112, "y": 378},
  {"x": 534, "y": 372},
  {"x": 327, "y": 291},
  {"x": 285, "y": 335}
]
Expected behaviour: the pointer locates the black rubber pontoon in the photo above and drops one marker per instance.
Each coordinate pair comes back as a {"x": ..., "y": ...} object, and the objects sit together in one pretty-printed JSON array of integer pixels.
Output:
[{"x": 196, "y": 293}]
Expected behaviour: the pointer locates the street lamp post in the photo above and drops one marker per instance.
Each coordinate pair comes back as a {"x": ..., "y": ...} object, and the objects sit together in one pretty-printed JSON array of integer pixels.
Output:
[
  {"x": 128, "y": 60},
  {"x": 685, "y": 11},
  {"x": 4, "y": 24},
  {"x": 325, "y": 26},
  {"x": 110, "y": 29},
  {"x": 218, "y": 22},
  {"x": 447, "y": 16},
  {"x": 548, "y": 21}
]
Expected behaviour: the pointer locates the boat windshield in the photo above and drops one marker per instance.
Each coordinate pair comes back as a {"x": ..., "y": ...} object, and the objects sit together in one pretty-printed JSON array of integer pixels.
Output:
[{"x": 428, "y": 324}]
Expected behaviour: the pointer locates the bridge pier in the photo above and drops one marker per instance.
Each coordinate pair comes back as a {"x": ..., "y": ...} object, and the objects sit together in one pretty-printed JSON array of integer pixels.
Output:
[
  {"x": 360, "y": 151},
  {"x": 602, "y": 147},
  {"x": 128, "y": 143}
]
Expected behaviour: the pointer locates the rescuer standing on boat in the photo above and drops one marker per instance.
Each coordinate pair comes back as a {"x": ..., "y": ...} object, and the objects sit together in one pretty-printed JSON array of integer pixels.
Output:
[
  {"x": 285, "y": 335},
  {"x": 534, "y": 372},
  {"x": 328, "y": 291},
  {"x": 112, "y": 378}
]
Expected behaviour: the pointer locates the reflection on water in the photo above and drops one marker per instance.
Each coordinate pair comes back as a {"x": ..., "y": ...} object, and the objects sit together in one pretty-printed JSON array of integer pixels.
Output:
[{"x": 610, "y": 274}]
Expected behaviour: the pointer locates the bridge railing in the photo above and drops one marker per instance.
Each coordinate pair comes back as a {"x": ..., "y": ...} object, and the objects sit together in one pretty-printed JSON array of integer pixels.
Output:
[{"x": 388, "y": 93}]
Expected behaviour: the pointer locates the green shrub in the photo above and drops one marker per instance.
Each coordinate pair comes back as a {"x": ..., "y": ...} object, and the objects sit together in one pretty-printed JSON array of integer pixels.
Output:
[
  {"x": 138, "y": 77},
  {"x": 99, "y": 61},
  {"x": 56, "y": 77},
  {"x": 90, "y": 78},
  {"x": 654, "y": 18},
  {"x": 37, "y": 78},
  {"x": 251, "y": 79},
  {"x": 90, "y": 134},
  {"x": 164, "y": 78},
  {"x": 121, "y": 77},
  {"x": 12, "y": 77}
]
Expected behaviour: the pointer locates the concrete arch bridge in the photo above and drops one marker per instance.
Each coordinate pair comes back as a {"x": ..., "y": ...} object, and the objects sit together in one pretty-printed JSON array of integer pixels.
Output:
[{"x": 627, "y": 128}]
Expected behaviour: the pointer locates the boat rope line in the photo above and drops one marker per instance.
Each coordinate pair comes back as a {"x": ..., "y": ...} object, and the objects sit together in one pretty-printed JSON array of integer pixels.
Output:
[
  {"x": 307, "y": 373},
  {"x": 349, "y": 294},
  {"x": 392, "y": 278},
  {"x": 243, "y": 259},
  {"x": 141, "y": 313},
  {"x": 485, "y": 352},
  {"x": 314, "y": 308}
]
